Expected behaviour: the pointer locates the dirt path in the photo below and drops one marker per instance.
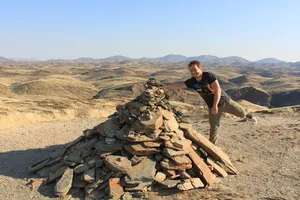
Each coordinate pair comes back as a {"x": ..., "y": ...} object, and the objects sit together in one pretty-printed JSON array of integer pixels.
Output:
[{"x": 266, "y": 155}]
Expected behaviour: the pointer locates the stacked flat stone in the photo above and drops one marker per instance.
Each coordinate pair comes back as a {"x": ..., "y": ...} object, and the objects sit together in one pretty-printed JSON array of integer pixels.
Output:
[{"x": 140, "y": 147}]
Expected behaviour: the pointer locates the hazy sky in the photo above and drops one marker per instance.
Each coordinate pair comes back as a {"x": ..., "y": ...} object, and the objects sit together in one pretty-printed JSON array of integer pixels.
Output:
[{"x": 71, "y": 29}]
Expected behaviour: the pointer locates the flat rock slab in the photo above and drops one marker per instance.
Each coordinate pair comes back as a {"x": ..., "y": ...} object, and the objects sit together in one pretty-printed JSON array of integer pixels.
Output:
[
  {"x": 170, "y": 145},
  {"x": 204, "y": 171},
  {"x": 64, "y": 184},
  {"x": 170, "y": 183},
  {"x": 103, "y": 147},
  {"x": 152, "y": 144},
  {"x": 91, "y": 143},
  {"x": 119, "y": 164},
  {"x": 107, "y": 126},
  {"x": 89, "y": 175},
  {"x": 39, "y": 165},
  {"x": 140, "y": 175},
  {"x": 128, "y": 182},
  {"x": 36, "y": 182},
  {"x": 142, "y": 186},
  {"x": 150, "y": 120},
  {"x": 74, "y": 142},
  {"x": 46, "y": 171},
  {"x": 101, "y": 178},
  {"x": 167, "y": 114},
  {"x": 140, "y": 150},
  {"x": 171, "y": 165},
  {"x": 190, "y": 184},
  {"x": 137, "y": 137},
  {"x": 144, "y": 170},
  {"x": 181, "y": 142},
  {"x": 74, "y": 157},
  {"x": 54, "y": 161},
  {"x": 216, "y": 168},
  {"x": 154, "y": 134},
  {"x": 160, "y": 177},
  {"x": 181, "y": 160},
  {"x": 115, "y": 188},
  {"x": 81, "y": 168},
  {"x": 171, "y": 124},
  {"x": 185, "y": 186},
  {"x": 171, "y": 152},
  {"x": 95, "y": 162},
  {"x": 57, "y": 174},
  {"x": 77, "y": 182}
]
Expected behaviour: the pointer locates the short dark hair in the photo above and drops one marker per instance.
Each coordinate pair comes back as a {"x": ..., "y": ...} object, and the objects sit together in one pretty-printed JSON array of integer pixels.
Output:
[{"x": 195, "y": 62}]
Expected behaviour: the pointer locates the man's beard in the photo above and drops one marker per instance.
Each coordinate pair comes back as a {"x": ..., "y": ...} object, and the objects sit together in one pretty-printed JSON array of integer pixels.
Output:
[{"x": 197, "y": 75}]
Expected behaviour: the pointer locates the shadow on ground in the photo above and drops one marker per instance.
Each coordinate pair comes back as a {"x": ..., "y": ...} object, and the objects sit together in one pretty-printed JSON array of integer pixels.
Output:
[{"x": 15, "y": 164}]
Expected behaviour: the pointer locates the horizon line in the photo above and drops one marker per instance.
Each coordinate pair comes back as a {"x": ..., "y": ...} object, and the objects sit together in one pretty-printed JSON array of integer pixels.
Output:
[{"x": 17, "y": 58}]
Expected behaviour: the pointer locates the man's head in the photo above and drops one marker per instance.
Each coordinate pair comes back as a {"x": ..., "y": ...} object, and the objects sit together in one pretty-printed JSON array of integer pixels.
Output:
[{"x": 195, "y": 68}]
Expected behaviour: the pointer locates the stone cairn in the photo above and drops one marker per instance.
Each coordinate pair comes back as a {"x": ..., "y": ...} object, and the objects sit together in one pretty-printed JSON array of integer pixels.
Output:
[{"x": 141, "y": 147}]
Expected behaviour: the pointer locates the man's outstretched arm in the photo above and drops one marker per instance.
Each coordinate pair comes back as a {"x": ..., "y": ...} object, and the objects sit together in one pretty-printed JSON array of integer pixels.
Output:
[{"x": 175, "y": 86}]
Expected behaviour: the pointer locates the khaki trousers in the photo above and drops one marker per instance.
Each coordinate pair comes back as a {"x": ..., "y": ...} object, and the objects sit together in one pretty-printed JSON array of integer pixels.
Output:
[{"x": 231, "y": 107}]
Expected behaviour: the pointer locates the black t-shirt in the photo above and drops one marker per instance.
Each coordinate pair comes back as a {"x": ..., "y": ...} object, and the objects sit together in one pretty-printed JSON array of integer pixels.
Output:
[{"x": 205, "y": 89}]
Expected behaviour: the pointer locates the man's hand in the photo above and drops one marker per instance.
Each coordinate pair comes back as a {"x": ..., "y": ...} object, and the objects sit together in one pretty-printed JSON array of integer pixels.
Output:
[{"x": 214, "y": 110}]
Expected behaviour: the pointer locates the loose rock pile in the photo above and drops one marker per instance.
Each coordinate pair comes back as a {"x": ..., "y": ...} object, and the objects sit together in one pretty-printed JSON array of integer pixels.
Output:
[{"x": 141, "y": 147}]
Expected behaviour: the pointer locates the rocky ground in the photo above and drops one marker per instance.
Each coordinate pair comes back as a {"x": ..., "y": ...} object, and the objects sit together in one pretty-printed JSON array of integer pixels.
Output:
[{"x": 266, "y": 155}]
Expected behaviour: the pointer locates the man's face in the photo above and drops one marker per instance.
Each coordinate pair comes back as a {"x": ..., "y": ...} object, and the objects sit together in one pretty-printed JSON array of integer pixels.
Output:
[{"x": 195, "y": 71}]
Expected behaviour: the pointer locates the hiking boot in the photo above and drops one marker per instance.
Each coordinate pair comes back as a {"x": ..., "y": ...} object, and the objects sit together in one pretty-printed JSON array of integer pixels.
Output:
[{"x": 249, "y": 117}]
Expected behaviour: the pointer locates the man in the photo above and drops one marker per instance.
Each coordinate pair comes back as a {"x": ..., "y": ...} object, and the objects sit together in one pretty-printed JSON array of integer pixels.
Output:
[{"x": 208, "y": 86}]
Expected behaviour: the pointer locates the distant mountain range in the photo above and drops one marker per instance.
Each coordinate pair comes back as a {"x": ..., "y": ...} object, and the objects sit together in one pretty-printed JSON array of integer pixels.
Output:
[
  {"x": 4, "y": 59},
  {"x": 171, "y": 58},
  {"x": 23, "y": 59}
]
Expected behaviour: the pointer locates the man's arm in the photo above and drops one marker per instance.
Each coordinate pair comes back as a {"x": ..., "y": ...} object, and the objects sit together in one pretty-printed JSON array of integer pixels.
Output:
[
  {"x": 216, "y": 87},
  {"x": 175, "y": 86}
]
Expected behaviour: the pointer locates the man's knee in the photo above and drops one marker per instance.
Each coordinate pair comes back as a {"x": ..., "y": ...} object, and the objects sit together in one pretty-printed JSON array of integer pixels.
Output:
[
  {"x": 236, "y": 109},
  {"x": 242, "y": 114}
]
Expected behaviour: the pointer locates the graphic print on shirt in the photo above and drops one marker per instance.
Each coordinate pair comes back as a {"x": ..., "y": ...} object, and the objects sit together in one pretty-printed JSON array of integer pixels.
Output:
[{"x": 204, "y": 89}]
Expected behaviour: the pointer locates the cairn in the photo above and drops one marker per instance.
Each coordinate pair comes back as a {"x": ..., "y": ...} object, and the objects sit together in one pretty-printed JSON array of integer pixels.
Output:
[{"x": 142, "y": 146}]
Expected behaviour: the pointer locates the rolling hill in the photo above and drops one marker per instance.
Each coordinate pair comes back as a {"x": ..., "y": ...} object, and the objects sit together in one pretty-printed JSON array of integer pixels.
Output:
[{"x": 269, "y": 60}]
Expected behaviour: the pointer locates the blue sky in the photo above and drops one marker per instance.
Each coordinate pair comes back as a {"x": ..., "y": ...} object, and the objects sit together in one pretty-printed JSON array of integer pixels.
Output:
[{"x": 98, "y": 29}]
